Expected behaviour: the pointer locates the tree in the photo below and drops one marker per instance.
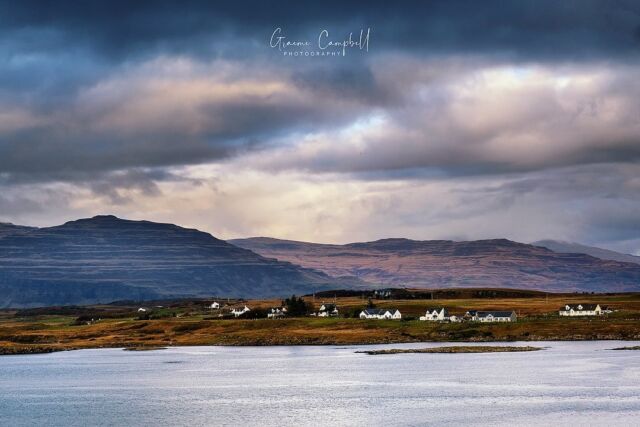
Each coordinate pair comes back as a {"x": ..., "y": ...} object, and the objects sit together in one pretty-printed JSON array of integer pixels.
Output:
[
  {"x": 296, "y": 306},
  {"x": 256, "y": 313}
]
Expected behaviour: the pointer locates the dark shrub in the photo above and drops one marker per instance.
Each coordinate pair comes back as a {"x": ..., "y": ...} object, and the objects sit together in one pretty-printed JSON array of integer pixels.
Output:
[{"x": 296, "y": 306}]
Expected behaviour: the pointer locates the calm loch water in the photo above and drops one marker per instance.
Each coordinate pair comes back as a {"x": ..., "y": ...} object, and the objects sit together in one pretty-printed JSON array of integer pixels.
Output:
[{"x": 572, "y": 383}]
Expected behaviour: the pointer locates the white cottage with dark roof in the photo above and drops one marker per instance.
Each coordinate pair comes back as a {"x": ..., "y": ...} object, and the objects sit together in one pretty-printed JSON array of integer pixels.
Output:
[
  {"x": 583, "y": 310},
  {"x": 237, "y": 312},
  {"x": 328, "y": 310},
  {"x": 494, "y": 316},
  {"x": 436, "y": 314},
  {"x": 381, "y": 314},
  {"x": 276, "y": 312}
]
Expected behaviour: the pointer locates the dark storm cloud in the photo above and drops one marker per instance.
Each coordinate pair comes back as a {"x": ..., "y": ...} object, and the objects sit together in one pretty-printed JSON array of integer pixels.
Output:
[
  {"x": 578, "y": 27},
  {"x": 82, "y": 88},
  {"x": 479, "y": 118},
  {"x": 161, "y": 113},
  {"x": 53, "y": 53}
]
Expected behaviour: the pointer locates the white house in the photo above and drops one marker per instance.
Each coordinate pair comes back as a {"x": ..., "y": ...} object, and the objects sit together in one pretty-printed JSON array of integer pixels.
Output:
[
  {"x": 495, "y": 316},
  {"x": 436, "y": 314},
  {"x": 142, "y": 310},
  {"x": 215, "y": 305},
  {"x": 240, "y": 311},
  {"x": 380, "y": 313},
  {"x": 583, "y": 310},
  {"x": 328, "y": 310},
  {"x": 276, "y": 312}
]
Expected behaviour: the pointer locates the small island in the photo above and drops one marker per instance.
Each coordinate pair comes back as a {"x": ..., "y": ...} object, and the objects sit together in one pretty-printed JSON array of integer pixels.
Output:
[
  {"x": 636, "y": 347},
  {"x": 454, "y": 349},
  {"x": 144, "y": 348}
]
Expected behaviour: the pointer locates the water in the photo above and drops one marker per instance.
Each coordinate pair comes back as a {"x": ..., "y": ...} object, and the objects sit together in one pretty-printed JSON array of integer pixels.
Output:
[{"x": 576, "y": 383}]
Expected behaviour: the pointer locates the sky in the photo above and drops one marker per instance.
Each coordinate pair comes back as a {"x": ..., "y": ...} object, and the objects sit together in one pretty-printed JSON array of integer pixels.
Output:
[{"x": 451, "y": 120}]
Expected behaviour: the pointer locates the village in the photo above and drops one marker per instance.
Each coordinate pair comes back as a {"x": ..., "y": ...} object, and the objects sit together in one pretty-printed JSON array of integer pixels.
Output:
[
  {"x": 335, "y": 317},
  {"x": 297, "y": 307}
]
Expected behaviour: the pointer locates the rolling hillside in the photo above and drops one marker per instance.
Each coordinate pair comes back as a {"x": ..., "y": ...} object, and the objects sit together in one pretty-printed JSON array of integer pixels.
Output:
[{"x": 445, "y": 264}]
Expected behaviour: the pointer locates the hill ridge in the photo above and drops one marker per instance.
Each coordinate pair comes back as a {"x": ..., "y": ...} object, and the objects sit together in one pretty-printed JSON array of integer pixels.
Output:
[
  {"x": 446, "y": 264},
  {"x": 563, "y": 246},
  {"x": 105, "y": 258}
]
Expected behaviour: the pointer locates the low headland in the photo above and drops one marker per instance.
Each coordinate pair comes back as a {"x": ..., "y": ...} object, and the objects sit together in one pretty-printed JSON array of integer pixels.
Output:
[{"x": 153, "y": 325}]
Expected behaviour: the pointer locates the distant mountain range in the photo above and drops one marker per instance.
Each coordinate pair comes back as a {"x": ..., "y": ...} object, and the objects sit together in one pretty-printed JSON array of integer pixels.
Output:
[
  {"x": 445, "y": 264},
  {"x": 105, "y": 258},
  {"x": 577, "y": 248}
]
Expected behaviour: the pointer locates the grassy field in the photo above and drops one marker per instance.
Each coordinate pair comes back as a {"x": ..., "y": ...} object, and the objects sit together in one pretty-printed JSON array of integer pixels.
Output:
[{"x": 192, "y": 324}]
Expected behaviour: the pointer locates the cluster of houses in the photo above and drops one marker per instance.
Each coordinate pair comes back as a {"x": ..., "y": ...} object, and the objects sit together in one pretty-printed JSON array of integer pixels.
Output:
[
  {"x": 327, "y": 310},
  {"x": 441, "y": 314},
  {"x": 381, "y": 314},
  {"x": 433, "y": 314},
  {"x": 438, "y": 315},
  {"x": 276, "y": 312},
  {"x": 234, "y": 311},
  {"x": 239, "y": 311},
  {"x": 583, "y": 310},
  {"x": 491, "y": 316}
]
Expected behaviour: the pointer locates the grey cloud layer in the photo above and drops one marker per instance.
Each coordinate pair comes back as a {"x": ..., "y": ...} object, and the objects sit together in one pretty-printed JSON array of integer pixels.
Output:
[
  {"x": 529, "y": 27},
  {"x": 161, "y": 113},
  {"x": 112, "y": 102},
  {"x": 92, "y": 86},
  {"x": 481, "y": 118}
]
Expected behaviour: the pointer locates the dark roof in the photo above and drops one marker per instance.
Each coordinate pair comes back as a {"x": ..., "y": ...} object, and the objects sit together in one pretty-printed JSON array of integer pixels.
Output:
[
  {"x": 589, "y": 307},
  {"x": 438, "y": 309},
  {"x": 329, "y": 307},
  {"x": 494, "y": 313},
  {"x": 379, "y": 310}
]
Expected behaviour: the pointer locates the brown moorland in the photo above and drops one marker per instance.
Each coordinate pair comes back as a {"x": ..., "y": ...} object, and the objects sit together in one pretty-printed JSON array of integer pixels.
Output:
[{"x": 190, "y": 323}]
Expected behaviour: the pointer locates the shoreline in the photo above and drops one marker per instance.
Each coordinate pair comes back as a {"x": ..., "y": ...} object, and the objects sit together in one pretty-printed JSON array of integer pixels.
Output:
[
  {"x": 39, "y": 349},
  {"x": 189, "y": 323}
]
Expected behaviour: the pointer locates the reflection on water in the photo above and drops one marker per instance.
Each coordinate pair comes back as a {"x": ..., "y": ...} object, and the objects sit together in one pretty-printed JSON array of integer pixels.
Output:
[{"x": 583, "y": 382}]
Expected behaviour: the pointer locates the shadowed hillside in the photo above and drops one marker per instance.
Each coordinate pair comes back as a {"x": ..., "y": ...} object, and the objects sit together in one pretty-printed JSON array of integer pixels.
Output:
[
  {"x": 10, "y": 229},
  {"x": 106, "y": 258}
]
